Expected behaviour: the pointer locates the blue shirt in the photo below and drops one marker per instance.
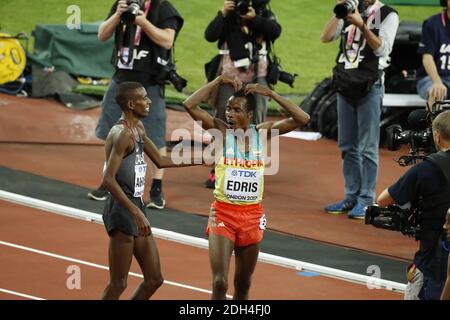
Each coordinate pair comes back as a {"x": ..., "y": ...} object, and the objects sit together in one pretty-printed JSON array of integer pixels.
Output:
[{"x": 436, "y": 41}]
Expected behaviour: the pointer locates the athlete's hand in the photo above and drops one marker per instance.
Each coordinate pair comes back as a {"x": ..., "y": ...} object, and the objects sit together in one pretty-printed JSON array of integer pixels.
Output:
[
  {"x": 142, "y": 224},
  {"x": 121, "y": 7},
  {"x": 258, "y": 89},
  {"x": 235, "y": 83}
]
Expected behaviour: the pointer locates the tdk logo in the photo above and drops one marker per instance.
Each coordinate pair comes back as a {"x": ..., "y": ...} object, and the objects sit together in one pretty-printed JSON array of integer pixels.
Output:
[{"x": 243, "y": 173}]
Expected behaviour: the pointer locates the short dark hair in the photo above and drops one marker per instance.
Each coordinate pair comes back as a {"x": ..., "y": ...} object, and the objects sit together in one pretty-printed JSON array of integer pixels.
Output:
[
  {"x": 442, "y": 125},
  {"x": 125, "y": 92},
  {"x": 250, "y": 99}
]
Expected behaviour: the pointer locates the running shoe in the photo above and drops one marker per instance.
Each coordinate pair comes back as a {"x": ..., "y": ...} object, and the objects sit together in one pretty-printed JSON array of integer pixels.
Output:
[
  {"x": 358, "y": 211},
  {"x": 340, "y": 207},
  {"x": 156, "y": 200},
  {"x": 100, "y": 194}
]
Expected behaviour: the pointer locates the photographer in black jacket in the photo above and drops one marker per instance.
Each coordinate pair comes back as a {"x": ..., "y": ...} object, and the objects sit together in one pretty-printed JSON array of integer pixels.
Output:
[
  {"x": 243, "y": 39},
  {"x": 143, "y": 41},
  {"x": 427, "y": 186},
  {"x": 244, "y": 31}
]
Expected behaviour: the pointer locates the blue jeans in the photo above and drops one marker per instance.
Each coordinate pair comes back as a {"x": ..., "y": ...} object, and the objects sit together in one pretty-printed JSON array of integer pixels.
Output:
[
  {"x": 154, "y": 123},
  {"x": 425, "y": 83},
  {"x": 358, "y": 139}
]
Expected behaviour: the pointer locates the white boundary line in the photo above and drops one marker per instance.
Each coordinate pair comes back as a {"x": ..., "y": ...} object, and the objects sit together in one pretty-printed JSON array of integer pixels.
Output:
[
  {"x": 94, "y": 265},
  {"x": 203, "y": 243},
  {"x": 23, "y": 295}
]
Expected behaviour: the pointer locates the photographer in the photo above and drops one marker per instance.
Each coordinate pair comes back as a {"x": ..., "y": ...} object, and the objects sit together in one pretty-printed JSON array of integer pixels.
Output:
[
  {"x": 143, "y": 40},
  {"x": 243, "y": 40},
  {"x": 426, "y": 186},
  {"x": 367, "y": 31},
  {"x": 433, "y": 77}
]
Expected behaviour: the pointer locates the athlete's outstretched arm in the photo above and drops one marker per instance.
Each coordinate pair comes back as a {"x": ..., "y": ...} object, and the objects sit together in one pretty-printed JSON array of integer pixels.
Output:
[
  {"x": 297, "y": 116},
  {"x": 165, "y": 161},
  {"x": 120, "y": 145},
  {"x": 198, "y": 114}
]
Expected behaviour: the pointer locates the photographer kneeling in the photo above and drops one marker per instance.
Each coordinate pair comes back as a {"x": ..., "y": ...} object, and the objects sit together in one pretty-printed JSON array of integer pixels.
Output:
[{"x": 426, "y": 187}]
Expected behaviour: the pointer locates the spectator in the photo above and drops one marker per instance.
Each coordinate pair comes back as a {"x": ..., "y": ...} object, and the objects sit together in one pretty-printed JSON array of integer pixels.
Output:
[{"x": 433, "y": 77}]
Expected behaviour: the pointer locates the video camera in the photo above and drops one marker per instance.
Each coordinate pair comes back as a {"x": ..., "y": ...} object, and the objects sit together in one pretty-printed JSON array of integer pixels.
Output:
[
  {"x": 342, "y": 10},
  {"x": 407, "y": 221},
  {"x": 420, "y": 138},
  {"x": 134, "y": 6}
]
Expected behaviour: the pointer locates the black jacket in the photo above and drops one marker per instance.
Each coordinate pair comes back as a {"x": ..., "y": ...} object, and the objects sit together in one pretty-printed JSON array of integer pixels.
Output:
[{"x": 227, "y": 29}]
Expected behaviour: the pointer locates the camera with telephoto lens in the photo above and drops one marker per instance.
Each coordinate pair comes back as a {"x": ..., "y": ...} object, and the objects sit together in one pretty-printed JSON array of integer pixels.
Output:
[
  {"x": 342, "y": 10},
  {"x": 419, "y": 138},
  {"x": 134, "y": 6},
  {"x": 406, "y": 221},
  {"x": 169, "y": 73}
]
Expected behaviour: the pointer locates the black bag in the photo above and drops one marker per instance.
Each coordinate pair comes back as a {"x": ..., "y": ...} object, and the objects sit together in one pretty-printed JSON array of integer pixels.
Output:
[
  {"x": 212, "y": 68},
  {"x": 354, "y": 84}
]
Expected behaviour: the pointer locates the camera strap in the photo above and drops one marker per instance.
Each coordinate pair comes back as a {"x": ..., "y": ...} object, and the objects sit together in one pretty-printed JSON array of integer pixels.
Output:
[
  {"x": 126, "y": 54},
  {"x": 137, "y": 39}
]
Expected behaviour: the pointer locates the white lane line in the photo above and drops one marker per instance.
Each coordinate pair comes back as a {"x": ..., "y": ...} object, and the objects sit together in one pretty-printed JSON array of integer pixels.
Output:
[
  {"x": 98, "y": 266},
  {"x": 203, "y": 243},
  {"x": 23, "y": 295}
]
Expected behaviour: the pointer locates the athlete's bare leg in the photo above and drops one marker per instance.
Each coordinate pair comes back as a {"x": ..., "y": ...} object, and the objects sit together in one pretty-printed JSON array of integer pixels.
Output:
[
  {"x": 220, "y": 250},
  {"x": 246, "y": 258},
  {"x": 120, "y": 256},
  {"x": 147, "y": 256}
]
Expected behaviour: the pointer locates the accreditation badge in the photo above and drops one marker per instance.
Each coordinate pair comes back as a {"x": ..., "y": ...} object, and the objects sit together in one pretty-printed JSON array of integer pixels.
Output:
[
  {"x": 351, "y": 61},
  {"x": 124, "y": 52}
]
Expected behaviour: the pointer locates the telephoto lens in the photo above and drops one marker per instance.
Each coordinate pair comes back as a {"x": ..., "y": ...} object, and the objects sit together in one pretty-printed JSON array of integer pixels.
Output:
[
  {"x": 132, "y": 11},
  {"x": 342, "y": 10}
]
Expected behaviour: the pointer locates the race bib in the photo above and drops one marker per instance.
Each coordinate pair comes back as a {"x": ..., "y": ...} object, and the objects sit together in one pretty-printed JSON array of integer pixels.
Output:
[
  {"x": 242, "y": 185},
  {"x": 125, "y": 52},
  {"x": 139, "y": 179}
]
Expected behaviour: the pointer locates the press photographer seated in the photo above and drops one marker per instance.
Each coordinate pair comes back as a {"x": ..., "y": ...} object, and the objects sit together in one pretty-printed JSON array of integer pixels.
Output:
[{"x": 426, "y": 186}]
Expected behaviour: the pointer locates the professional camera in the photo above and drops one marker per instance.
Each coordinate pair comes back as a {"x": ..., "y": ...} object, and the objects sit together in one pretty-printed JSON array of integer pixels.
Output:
[
  {"x": 242, "y": 6},
  {"x": 275, "y": 74},
  {"x": 132, "y": 11},
  {"x": 396, "y": 219},
  {"x": 169, "y": 73},
  {"x": 342, "y": 10},
  {"x": 420, "y": 138}
]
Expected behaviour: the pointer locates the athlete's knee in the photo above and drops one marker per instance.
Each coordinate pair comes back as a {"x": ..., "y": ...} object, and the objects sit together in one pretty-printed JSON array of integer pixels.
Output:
[
  {"x": 119, "y": 285},
  {"x": 242, "y": 284},
  {"x": 153, "y": 283},
  {"x": 220, "y": 283}
]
